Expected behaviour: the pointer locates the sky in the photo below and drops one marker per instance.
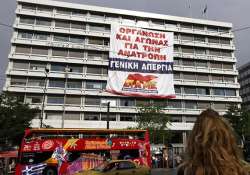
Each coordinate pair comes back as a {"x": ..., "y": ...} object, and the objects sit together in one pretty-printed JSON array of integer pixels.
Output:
[{"x": 233, "y": 11}]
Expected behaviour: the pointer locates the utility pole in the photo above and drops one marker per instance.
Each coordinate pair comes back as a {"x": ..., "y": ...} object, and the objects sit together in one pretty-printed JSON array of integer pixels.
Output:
[
  {"x": 108, "y": 107},
  {"x": 44, "y": 92},
  {"x": 67, "y": 70}
]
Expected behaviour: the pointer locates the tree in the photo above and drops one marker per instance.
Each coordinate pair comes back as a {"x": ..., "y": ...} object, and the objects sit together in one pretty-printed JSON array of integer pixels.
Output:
[
  {"x": 15, "y": 116},
  {"x": 240, "y": 120},
  {"x": 153, "y": 118}
]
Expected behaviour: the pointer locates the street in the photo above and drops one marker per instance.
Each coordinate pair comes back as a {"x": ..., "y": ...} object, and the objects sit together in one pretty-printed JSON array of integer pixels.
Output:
[{"x": 163, "y": 171}]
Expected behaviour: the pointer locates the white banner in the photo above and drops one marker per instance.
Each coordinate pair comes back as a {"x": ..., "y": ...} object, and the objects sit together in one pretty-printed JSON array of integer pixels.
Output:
[{"x": 141, "y": 62}]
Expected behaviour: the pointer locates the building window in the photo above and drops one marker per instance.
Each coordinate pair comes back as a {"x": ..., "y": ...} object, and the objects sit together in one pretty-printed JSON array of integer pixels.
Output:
[
  {"x": 187, "y": 62},
  {"x": 58, "y": 67},
  {"x": 226, "y": 53},
  {"x": 43, "y": 8},
  {"x": 228, "y": 66},
  {"x": 74, "y": 84},
  {"x": 78, "y": 25},
  {"x": 189, "y": 76},
  {"x": 20, "y": 65},
  {"x": 61, "y": 38},
  {"x": 41, "y": 36},
  {"x": 214, "y": 52},
  {"x": 219, "y": 106},
  {"x": 36, "y": 82},
  {"x": 203, "y": 91},
  {"x": 97, "y": 27},
  {"x": 225, "y": 41},
  {"x": 57, "y": 83},
  {"x": 127, "y": 117},
  {"x": 55, "y": 99},
  {"x": 76, "y": 69},
  {"x": 190, "y": 90},
  {"x": 230, "y": 92},
  {"x": 191, "y": 119},
  {"x": 63, "y": 11},
  {"x": 175, "y": 118},
  {"x": 53, "y": 116},
  {"x": 218, "y": 91},
  {"x": 187, "y": 37},
  {"x": 95, "y": 101},
  {"x": 39, "y": 51},
  {"x": 73, "y": 100},
  {"x": 27, "y": 20},
  {"x": 199, "y": 51},
  {"x": 76, "y": 53},
  {"x": 229, "y": 79},
  {"x": 91, "y": 116},
  {"x": 38, "y": 66},
  {"x": 43, "y": 22},
  {"x": 202, "y": 77},
  {"x": 174, "y": 104},
  {"x": 28, "y": 7},
  {"x": 216, "y": 65},
  {"x": 94, "y": 70},
  {"x": 62, "y": 24},
  {"x": 217, "y": 78},
  {"x": 203, "y": 105},
  {"x": 31, "y": 99},
  {"x": 190, "y": 105},
  {"x": 187, "y": 50},
  {"x": 26, "y": 35},
  {"x": 199, "y": 38},
  {"x": 23, "y": 49},
  {"x": 177, "y": 89},
  {"x": 18, "y": 81},
  {"x": 95, "y": 85},
  {"x": 72, "y": 116},
  {"x": 127, "y": 102},
  {"x": 112, "y": 117},
  {"x": 201, "y": 63},
  {"x": 77, "y": 40},
  {"x": 59, "y": 52},
  {"x": 212, "y": 29},
  {"x": 177, "y": 75}
]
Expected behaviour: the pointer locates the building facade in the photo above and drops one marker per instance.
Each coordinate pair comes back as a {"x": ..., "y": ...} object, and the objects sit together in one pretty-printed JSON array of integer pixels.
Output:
[
  {"x": 244, "y": 80},
  {"x": 59, "y": 57}
]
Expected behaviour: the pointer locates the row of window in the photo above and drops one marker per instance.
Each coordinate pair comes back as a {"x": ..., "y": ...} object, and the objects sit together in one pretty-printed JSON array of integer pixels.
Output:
[
  {"x": 55, "y": 67},
  {"x": 101, "y": 15},
  {"x": 203, "y": 77},
  {"x": 89, "y": 116},
  {"x": 80, "y": 39},
  {"x": 76, "y": 84},
  {"x": 202, "y": 51},
  {"x": 199, "y": 38},
  {"x": 204, "y": 64},
  {"x": 65, "y": 38},
  {"x": 95, "y": 101},
  {"x": 63, "y": 52}
]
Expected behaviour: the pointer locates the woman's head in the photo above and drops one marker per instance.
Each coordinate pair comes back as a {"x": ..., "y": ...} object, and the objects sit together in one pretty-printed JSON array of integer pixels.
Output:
[{"x": 212, "y": 147}]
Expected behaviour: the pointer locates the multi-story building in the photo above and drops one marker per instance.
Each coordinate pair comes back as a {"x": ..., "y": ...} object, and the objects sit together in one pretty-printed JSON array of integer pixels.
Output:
[
  {"x": 244, "y": 80},
  {"x": 59, "y": 57}
]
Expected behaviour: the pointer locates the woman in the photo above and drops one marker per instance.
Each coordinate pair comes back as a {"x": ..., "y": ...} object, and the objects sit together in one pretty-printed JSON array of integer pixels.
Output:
[{"x": 212, "y": 148}]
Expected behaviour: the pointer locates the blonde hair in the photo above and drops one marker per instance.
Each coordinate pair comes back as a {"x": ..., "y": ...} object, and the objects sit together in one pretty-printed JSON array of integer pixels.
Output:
[{"x": 212, "y": 147}]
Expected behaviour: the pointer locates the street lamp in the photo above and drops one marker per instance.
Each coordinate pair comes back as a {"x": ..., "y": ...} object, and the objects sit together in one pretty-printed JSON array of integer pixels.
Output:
[
  {"x": 43, "y": 101},
  {"x": 67, "y": 70},
  {"x": 108, "y": 108}
]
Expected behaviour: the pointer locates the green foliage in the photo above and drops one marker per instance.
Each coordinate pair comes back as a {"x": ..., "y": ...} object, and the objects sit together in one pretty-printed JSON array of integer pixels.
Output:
[
  {"x": 15, "y": 116},
  {"x": 153, "y": 118},
  {"x": 240, "y": 120}
]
